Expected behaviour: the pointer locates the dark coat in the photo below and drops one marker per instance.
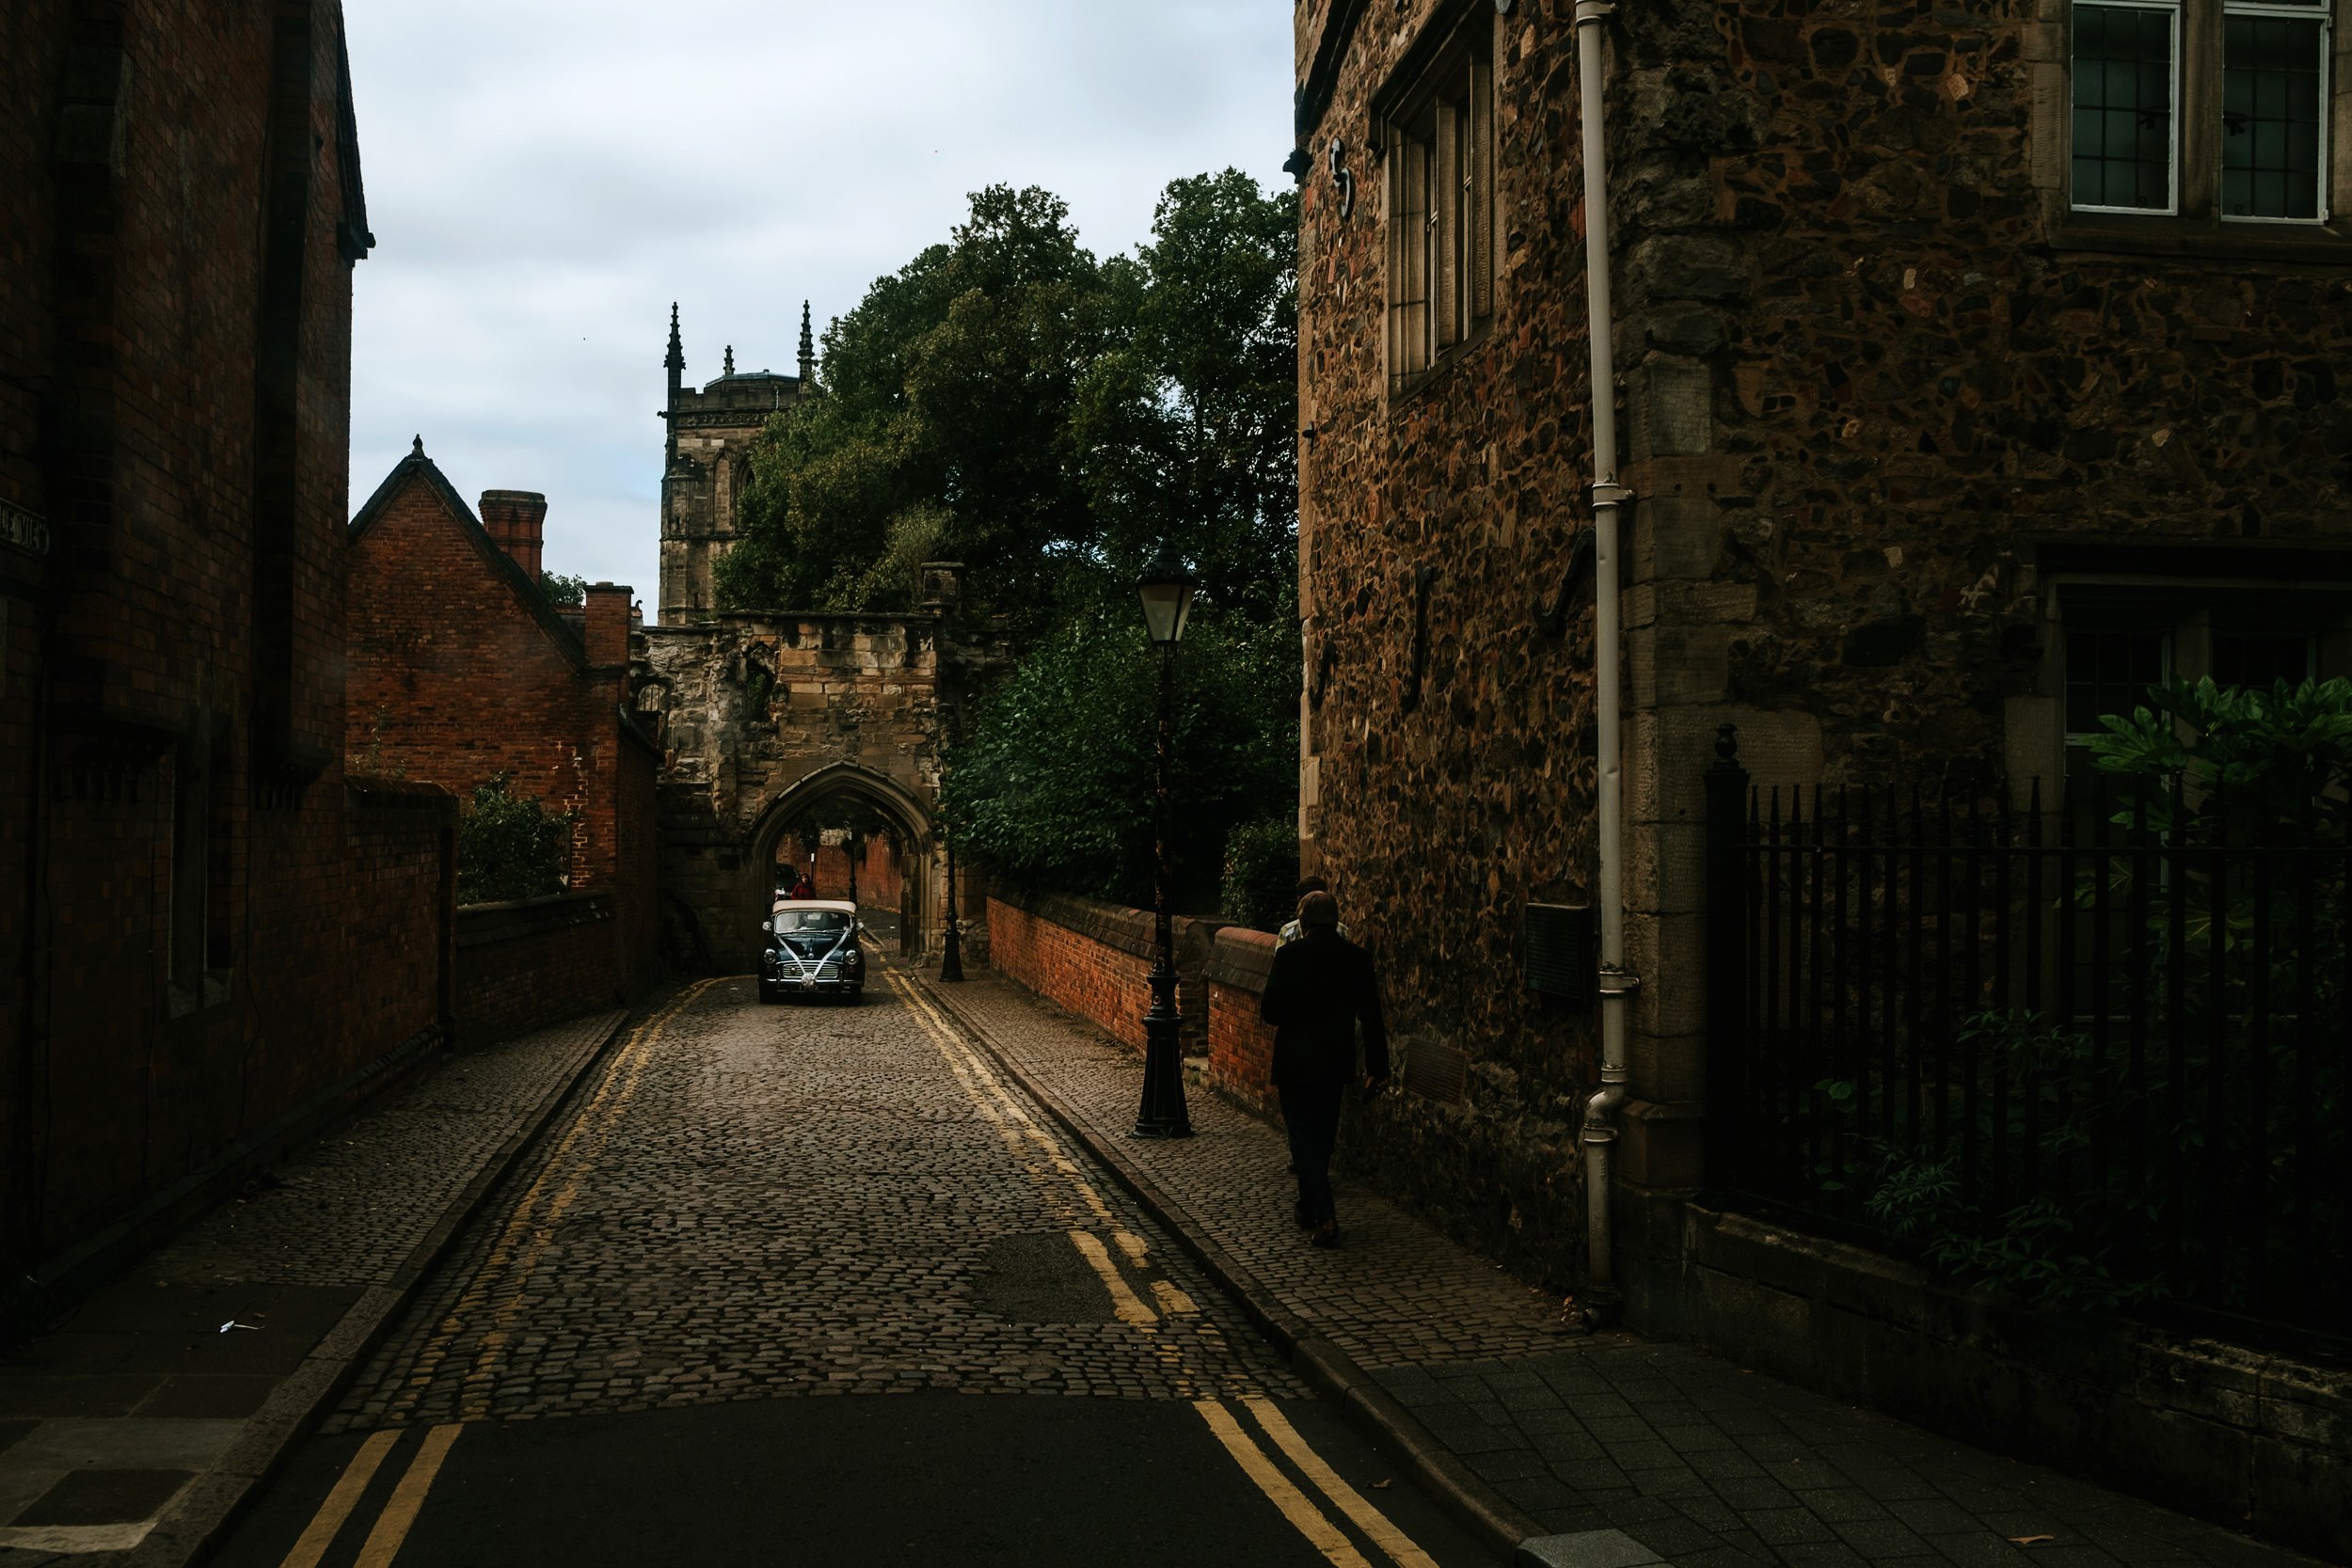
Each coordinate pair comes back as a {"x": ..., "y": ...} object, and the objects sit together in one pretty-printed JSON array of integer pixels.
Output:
[{"x": 1320, "y": 988}]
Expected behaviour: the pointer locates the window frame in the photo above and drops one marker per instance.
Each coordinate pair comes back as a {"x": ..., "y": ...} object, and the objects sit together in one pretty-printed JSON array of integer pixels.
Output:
[
  {"x": 2195, "y": 225},
  {"x": 1434, "y": 128}
]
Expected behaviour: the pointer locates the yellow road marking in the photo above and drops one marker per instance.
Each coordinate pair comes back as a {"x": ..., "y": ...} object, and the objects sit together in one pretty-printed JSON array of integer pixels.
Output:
[
  {"x": 1374, "y": 1524},
  {"x": 1124, "y": 1302},
  {"x": 1304, "y": 1516},
  {"x": 391, "y": 1530},
  {"x": 1173, "y": 1301},
  {"x": 349, "y": 1487},
  {"x": 1003, "y": 1109},
  {"x": 517, "y": 1252}
]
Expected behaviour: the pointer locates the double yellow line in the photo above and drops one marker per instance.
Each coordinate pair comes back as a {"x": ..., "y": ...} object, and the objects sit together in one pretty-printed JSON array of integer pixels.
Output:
[
  {"x": 1040, "y": 1153},
  {"x": 502, "y": 1279}
]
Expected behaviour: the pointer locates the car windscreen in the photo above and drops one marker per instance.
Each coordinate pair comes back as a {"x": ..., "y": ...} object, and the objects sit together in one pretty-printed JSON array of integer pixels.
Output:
[{"x": 811, "y": 921}]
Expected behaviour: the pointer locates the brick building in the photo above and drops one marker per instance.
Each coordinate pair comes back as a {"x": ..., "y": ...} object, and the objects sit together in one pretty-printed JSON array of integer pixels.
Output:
[
  {"x": 460, "y": 669},
  {"x": 1969, "y": 379},
  {"x": 210, "y": 935},
  {"x": 706, "y": 465}
]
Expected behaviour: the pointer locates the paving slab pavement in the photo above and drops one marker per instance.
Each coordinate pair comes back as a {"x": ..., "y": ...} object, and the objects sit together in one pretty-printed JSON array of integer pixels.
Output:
[
  {"x": 1604, "y": 1451},
  {"x": 135, "y": 1427}
]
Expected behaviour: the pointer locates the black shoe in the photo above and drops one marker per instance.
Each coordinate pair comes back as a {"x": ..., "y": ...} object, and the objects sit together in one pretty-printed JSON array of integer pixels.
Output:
[{"x": 1326, "y": 1235}]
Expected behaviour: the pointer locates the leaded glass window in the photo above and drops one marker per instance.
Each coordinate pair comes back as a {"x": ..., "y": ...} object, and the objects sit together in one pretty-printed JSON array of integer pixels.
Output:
[
  {"x": 2273, "y": 88},
  {"x": 2125, "y": 84}
]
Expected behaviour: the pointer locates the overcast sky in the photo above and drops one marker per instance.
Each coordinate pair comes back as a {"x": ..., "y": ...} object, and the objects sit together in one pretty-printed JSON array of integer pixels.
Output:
[{"x": 544, "y": 177}]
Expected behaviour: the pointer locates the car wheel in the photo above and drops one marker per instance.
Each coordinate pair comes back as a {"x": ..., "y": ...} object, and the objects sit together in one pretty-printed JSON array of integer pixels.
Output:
[
  {"x": 766, "y": 994},
  {"x": 854, "y": 995}
]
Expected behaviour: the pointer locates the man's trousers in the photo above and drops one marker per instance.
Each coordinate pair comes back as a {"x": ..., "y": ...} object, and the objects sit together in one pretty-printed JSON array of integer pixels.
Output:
[{"x": 1311, "y": 1115}]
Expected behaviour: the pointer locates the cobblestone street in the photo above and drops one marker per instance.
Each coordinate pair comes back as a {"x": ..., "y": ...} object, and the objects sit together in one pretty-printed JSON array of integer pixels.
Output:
[
  {"x": 808, "y": 1199},
  {"x": 747, "y": 1205}
]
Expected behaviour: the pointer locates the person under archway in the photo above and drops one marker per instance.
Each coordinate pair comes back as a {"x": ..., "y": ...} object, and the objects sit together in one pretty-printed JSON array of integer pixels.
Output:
[{"x": 801, "y": 887}]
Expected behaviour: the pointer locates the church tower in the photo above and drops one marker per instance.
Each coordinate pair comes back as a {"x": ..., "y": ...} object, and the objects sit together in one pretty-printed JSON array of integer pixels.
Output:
[{"x": 706, "y": 465}]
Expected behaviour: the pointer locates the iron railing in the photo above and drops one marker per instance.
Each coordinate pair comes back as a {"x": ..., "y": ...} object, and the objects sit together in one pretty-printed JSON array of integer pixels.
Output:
[{"x": 2097, "y": 1054}]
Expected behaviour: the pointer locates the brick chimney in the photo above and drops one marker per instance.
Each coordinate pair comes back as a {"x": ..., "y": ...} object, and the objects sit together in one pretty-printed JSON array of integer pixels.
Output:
[
  {"x": 607, "y": 635},
  {"x": 517, "y": 521}
]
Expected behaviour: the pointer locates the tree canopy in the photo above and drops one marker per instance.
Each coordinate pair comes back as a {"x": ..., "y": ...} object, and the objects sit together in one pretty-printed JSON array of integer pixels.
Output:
[{"x": 1007, "y": 401}]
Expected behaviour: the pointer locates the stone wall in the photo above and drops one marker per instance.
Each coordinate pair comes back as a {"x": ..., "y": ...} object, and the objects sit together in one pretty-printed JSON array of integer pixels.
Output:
[
  {"x": 765, "y": 717},
  {"x": 527, "y": 964},
  {"x": 1447, "y": 744},
  {"x": 1887, "y": 414}
]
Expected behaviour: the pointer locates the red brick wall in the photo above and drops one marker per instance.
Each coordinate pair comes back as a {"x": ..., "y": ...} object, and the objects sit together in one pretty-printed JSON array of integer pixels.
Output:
[
  {"x": 522, "y": 966},
  {"x": 1241, "y": 1048},
  {"x": 457, "y": 675},
  {"x": 1100, "y": 982},
  {"x": 878, "y": 881},
  {"x": 1095, "y": 959},
  {"x": 174, "y": 381},
  {"x": 455, "y": 679}
]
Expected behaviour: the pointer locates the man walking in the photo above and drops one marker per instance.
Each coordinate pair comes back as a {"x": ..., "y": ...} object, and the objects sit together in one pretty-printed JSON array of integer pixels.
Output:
[{"x": 1320, "y": 988}]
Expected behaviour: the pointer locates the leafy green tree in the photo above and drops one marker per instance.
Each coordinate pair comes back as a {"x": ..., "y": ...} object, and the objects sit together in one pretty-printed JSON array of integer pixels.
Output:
[
  {"x": 1006, "y": 400},
  {"x": 1187, "y": 426},
  {"x": 943, "y": 430},
  {"x": 510, "y": 845},
  {"x": 1055, "y": 786},
  {"x": 565, "y": 593},
  {"x": 1261, "y": 873}
]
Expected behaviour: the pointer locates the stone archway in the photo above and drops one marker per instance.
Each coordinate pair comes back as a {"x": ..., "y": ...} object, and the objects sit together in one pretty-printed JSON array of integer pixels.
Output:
[
  {"x": 766, "y": 715},
  {"x": 908, "y": 815}
]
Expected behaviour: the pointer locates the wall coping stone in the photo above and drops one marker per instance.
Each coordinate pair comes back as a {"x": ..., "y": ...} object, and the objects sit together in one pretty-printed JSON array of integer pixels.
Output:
[
  {"x": 486, "y": 924},
  {"x": 1242, "y": 959},
  {"x": 1128, "y": 930}
]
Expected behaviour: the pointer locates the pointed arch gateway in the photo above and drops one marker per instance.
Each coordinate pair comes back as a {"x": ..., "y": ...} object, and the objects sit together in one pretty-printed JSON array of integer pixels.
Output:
[{"x": 908, "y": 816}]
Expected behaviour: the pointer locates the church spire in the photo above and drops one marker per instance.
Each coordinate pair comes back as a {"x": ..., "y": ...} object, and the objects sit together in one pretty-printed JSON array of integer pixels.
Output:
[
  {"x": 808, "y": 350},
  {"x": 676, "y": 361}
]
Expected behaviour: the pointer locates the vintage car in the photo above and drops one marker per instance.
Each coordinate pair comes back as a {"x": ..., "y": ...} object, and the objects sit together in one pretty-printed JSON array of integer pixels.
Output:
[{"x": 811, "y": 949}]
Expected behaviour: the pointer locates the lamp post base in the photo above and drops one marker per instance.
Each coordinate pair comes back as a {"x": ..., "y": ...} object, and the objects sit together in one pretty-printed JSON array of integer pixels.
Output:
[
  {"x": 951, "y": 955},
  {"x": 1162, "y": 1113}
]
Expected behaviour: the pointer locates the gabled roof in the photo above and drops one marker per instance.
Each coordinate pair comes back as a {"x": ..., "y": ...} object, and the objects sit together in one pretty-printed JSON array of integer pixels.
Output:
[{"x": 417, "y": 468}]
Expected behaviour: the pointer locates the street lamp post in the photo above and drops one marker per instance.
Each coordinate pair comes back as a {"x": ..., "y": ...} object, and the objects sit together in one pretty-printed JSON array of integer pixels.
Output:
[{"x": 1166, "y": 589}]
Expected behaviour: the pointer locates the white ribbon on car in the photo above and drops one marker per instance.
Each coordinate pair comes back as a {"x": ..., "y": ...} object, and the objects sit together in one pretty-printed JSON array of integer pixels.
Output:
[{"x": 803, "y": 965}]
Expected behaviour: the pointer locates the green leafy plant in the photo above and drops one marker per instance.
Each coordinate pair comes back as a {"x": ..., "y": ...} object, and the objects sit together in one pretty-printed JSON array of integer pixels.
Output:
[
  {"x": 2031, "y": 1250},
  {"x": 510, "y": 845},
  {"x": 1262, "y": 872},
  {"x": 1053, "y": 789},
  {"x": 565, "y": 593}
]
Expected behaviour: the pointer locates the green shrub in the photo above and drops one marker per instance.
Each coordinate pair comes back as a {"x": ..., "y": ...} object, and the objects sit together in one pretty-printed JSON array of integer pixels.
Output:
[
  {"x": 1262, "y": 872},
  {"x": 510, "y": 845}
]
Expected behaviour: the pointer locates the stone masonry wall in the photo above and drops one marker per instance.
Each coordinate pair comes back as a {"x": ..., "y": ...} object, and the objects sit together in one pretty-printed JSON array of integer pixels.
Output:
[
  {"x": 763, "y": 717},
  {"x": 1878, "y": 393},
  {"x": 1447, "y": 730}
]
